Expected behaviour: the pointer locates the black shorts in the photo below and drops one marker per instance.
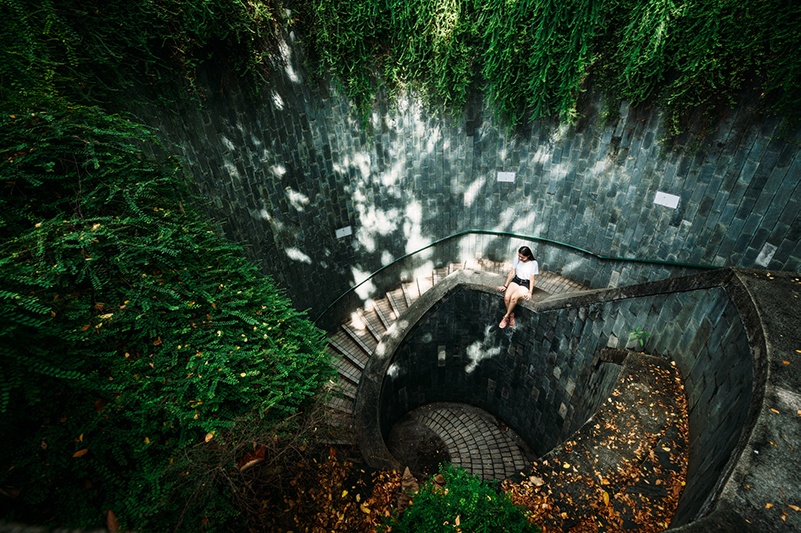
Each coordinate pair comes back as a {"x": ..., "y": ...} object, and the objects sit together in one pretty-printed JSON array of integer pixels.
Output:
[{"x": 521, "y": 282}]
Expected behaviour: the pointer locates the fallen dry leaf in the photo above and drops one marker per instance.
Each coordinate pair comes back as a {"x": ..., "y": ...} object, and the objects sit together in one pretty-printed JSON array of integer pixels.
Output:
[
  {"x": 81, "y": 452},
  {"x": 112, "y": 524},
  {"x": 252, "y": 459}
]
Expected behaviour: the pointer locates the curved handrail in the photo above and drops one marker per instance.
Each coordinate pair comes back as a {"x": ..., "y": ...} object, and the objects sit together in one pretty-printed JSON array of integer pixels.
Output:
[{"x": 519, "y": 236}]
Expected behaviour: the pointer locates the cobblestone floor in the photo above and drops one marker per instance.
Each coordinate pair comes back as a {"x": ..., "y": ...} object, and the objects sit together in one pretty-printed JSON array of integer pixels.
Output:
[{"x": 468, "y": 436}]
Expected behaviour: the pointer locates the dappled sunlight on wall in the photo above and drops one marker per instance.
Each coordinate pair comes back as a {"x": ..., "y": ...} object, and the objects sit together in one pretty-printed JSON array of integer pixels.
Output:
[
  {"x": 412, "y": 227},
  {"x": 298, "y": 171},
  {"x": 292, "y": 74},
  {"x": 297, "y": 255},
  {"x": 481, "y": 350}
]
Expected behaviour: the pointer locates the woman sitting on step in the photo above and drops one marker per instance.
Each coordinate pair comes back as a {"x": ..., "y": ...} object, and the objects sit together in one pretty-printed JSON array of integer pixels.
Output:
[{"x": 519, "y": 284}]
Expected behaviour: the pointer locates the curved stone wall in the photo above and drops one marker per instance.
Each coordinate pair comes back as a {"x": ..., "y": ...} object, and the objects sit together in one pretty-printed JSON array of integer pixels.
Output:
[
  {"x": 539, "y": 380},
  {"x": 545, "y": 378},
  {"x": 321, "y": 202}
]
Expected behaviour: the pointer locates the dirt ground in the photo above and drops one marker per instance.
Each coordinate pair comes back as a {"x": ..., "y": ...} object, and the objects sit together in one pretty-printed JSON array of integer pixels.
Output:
[{"x": 623, "y": 471}]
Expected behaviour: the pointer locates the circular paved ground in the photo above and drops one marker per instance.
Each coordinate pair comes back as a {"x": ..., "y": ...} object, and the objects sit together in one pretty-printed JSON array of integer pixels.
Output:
[{"x": 462, "y": 434}]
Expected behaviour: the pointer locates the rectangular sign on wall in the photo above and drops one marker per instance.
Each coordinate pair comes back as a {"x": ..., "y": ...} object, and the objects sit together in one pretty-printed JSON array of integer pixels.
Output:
[
  {"x": 668, "y": 200},
  {"x": 343, "y": 232},
  {"x": 507, "y": 177}
]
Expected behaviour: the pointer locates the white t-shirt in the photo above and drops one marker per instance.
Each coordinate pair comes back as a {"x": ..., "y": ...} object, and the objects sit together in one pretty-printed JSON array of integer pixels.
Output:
[{"x": 525, "y": 270}]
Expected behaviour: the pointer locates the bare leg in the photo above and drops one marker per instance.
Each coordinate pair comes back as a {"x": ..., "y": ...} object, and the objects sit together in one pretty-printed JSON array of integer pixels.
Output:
[{"x": 513, "y": 294}]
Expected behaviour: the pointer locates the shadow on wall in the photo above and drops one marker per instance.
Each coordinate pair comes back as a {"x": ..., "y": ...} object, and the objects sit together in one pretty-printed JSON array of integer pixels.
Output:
[
  {"x": 321, "y": 203},
  {"x": 545, "y": 379}
]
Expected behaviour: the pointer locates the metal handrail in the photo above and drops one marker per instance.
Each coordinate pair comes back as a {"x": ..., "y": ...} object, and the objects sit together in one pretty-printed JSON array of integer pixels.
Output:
[{"x": 518, "y": 236}]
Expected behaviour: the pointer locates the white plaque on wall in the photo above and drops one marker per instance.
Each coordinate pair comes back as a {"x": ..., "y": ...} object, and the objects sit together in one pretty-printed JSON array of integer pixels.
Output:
[
  {"x": 668, "y": 200},
  {"x": 343, "y": 232},
  {"x": 507, "y": 177}
]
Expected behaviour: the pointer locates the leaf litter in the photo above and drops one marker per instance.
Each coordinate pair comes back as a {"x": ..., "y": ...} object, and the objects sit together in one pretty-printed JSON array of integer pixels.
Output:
[{"x": 625, "y": 469}]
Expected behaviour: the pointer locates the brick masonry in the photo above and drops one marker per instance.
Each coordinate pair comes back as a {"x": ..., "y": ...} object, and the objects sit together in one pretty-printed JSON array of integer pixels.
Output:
[
  {"x": 284, "y": 171},
  {"x": 548, "y": 376},
  {"x": 472, "y": 438}
]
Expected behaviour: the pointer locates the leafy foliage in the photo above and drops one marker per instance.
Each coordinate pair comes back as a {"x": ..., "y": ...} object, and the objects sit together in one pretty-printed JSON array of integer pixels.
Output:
[
  {"x": 132, "y": 333},
  {"x": 535, "y": 57},
  {"x": 435, "y": 41},
  {"x": 688, "y": 55},
  {"x": 462, "y": 503},
  {"x": 351, "y": 37},
  {"x": 98, "y": 51},
  {"x": 639, "y": 336}
]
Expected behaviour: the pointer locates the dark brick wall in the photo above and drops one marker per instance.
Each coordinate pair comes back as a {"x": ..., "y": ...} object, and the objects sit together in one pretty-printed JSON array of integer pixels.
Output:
[
  {"x": 286, "y": 170},
  {"x": 537, "y": 378},
  {"x": 544, "y": 379}
]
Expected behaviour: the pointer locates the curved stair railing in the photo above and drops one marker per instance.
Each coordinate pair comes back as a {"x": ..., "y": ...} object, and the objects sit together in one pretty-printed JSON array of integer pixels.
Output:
[
  {"x": 356, "y": 339},
  {"x": 531, "y": 238}
]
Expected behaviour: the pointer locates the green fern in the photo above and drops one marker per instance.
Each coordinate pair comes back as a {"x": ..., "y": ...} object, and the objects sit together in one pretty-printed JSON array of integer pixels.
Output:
[{"x": 122, "y": 346}]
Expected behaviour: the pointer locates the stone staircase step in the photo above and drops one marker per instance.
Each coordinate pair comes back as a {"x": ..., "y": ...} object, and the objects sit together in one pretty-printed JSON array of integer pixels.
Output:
[
  {"x": 363, "y": 338},
  {"x": 494, "y": 267},
  {"x": 472, "y": 264},
  {"x": 424, "y": 283},
  {"x": 342, "y": 405},
  {"x": 385, "y": 312},
  {"x": 344, "y": 344},
  {"x": 371, "y": 322},
  {"x": 454, "y": 267},
  {"x": 397, "y": 301},
  {"x": 556, "y": 284},
  {"x": 339, "y": 427},
  {"x": 407, "y": 294},
  {"x": 345, "y": 389},
  {"x": 347, "y": 371},
  {"x": 338, "y": 418},
  {"x": 440, "y": 274}
]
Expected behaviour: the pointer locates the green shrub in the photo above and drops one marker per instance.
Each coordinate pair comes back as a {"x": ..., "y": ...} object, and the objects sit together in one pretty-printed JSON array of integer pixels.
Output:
[
  {"x": 463, "y": 503},
  {"x": 134, "y": 338},
  {"x": 94, "y": 51}
]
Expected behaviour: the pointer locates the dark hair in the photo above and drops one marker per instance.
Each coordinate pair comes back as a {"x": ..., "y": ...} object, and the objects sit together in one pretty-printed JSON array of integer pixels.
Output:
[{"x": 526, "y": 251}]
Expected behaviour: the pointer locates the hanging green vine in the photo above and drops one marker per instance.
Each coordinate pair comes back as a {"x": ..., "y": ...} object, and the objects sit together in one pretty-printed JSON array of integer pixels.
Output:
[
  {"x": 435, "y": 47},
  {"x": 350, "y": 39},
  {"x": 103, "y": 51},
  {"x": 537, "y": 56},
  {"x": 534, "y": 57}
]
